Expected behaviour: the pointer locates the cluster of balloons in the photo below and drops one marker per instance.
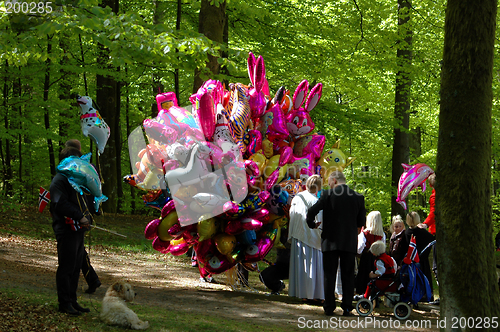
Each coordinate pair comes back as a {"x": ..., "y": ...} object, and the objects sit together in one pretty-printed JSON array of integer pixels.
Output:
[{"x": 225, "y": 173}]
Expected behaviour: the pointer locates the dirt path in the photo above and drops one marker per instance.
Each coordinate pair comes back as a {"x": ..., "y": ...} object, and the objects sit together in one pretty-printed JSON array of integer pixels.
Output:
[{"x": 164, "y": 281}]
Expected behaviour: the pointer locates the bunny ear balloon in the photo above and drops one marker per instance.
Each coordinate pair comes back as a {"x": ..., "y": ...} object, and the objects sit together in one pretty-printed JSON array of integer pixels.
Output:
[{"x": 92, "y": 123}]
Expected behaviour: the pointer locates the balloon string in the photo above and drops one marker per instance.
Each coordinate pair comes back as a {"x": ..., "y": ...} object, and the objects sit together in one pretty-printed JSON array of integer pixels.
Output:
[{"x": 99, "y": 165}]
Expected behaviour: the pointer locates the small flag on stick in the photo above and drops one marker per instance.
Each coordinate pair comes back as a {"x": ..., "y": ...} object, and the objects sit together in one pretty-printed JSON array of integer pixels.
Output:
[
  {"x": 43, "y": 199},
  {"x": 412, "y": 254}
]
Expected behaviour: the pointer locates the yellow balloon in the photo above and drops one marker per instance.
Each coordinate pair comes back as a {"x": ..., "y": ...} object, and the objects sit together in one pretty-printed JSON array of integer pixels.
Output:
[
  {"x": 332, "y": 160},
  {"x": 260, "y": 160},
  {"x": 165, "y": 225},
  {"x": 206, "y": 228},
  {"x": 267, "y": 148},
  {"x": 272, "y": 164},
  {"x": 175, "y": 242},
  {"x": 225, "y": 243}
]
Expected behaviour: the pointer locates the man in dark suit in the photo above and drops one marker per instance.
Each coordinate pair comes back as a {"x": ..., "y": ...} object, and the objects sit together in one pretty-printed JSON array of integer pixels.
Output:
[{"x": 344, "y": 214}]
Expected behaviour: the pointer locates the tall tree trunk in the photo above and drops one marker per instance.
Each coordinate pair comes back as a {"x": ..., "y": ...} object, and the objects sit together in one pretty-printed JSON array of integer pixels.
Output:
[
  {"x": 400, "y": 148},
  {"x": 463, "y": 171},
  {"x": 7, "y": 165},
  {"x": 127, "y": 121},
  {"x": 176, "y": 71},
  {"x": 211, "y": 23},
  {"x": 46, "y": 86},
  {"x": 66, "y": 115},
  {"x": 108, "y": 99},
  {"x": 18, "y": 109}
]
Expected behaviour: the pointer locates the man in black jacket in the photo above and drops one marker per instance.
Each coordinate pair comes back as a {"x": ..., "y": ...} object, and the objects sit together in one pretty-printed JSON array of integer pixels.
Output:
[
  {"x": 344, "y": 214},
  {"x": 68, "y": 209}
]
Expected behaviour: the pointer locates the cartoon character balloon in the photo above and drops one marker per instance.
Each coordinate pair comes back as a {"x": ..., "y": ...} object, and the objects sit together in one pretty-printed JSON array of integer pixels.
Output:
[
  {"x": 92, "y": 123},
  {"x": 299, "y": 122},
  {"x": 412, "y": 177},
  {"x": 332, "y": 160},
  {"x": 81, "y": 173}
]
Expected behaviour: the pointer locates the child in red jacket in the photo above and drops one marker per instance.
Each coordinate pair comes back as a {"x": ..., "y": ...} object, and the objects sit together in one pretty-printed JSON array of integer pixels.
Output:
[{"x": 385, "y": 267}]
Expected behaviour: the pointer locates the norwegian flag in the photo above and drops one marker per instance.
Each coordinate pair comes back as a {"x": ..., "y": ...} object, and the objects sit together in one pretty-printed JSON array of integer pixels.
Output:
[
  {"x": 412, "y": 254},
  {"x": 43, "y": 199}
]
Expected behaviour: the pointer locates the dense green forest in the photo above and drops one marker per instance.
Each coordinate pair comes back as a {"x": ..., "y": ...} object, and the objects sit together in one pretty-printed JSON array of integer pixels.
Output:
[{"x": 362, "y": 52}]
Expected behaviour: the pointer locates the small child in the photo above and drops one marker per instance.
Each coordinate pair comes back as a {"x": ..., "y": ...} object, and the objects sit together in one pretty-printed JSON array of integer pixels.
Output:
[{"x": 385, "y": 266}]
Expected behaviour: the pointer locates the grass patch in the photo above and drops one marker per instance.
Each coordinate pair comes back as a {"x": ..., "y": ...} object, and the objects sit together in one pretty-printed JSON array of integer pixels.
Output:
[{"x": 22, "y": 310}]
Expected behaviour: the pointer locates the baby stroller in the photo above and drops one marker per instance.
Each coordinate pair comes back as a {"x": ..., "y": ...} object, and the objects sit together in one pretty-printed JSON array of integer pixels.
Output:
[{"x": 409, "y": 286}]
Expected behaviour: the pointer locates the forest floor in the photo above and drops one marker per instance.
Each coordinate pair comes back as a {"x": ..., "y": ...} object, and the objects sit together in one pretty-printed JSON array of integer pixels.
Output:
[{"x": 162, "y": 281}]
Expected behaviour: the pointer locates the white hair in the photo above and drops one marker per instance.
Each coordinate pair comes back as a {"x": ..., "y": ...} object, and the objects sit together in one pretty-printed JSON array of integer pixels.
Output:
[{"x": 374, "y": 223}]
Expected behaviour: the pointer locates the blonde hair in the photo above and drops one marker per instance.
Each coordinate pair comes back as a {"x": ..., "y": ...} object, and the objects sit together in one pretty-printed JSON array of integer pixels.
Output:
[
  {"x": 374, "y": 223},
  {"x": 377, "y": 248},
  {"x": 313, "y": 183},
  {"x": 412, "y": 219},
  {"x": 396, "y": 219},
  {"x": 432, "y": 180}
]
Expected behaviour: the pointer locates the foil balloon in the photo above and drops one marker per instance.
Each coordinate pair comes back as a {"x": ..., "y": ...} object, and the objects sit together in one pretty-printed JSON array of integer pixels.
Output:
[
  {"x": 203, "y": 249},
  {"x": 239, "y": 117},
  {"x": 313, "y": 144},
  {"x": 301, "y": 167},
  {"x": 219, "y": 263},
  {"x": 161, "y": 246},
  {"x": 279, "y": 202},
  {"x": 92, "y": 123},
  {"x": 299, "y": 123},
  {"x": 178, "y": 247},
  {"x": 81, "y": 174},
  {"x": 225, "y": 243},
  {"x": 412, "y": 177},
  {"x": 207, "y": 227},
  {"x": 237, "y": 226},
  {"x": 247, "y": 237},
  {"x": 165, "y": 225},
  {"x": 260, "y": 160},
  {"x": 332, "y": 160},
  {"x": 204, "y": 109},
  {"x": 151, "y": 230},
  {"x": 261, "y": 248},
  {"x": 257, "y": 74},
  {"x": 253, "y": 141},
  {"x": 272, "y": 125},
  {"x": 222, "y": 135}
]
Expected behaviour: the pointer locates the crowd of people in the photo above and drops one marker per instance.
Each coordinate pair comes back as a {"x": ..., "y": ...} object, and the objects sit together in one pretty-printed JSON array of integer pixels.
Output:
[
  {"x": 331, "y": 247},
  {"x": 333, "y": 241}
]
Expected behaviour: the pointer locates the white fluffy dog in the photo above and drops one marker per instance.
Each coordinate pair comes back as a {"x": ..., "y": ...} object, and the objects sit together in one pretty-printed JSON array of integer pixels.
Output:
[{"x": 114, "y": 309}]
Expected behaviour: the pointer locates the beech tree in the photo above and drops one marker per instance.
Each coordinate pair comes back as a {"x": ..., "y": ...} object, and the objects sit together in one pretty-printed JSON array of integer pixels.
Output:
[{"x": 463, "y": 172}]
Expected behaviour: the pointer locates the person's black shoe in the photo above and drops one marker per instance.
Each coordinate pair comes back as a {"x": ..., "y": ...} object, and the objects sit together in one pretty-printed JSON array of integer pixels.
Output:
[
  {"x": 435, "y": 302},
  {"x": 93, "y": 287},
  {"x": 68, "y": 309},
  {"x": 347, "y": 314},
  {"x": 80, "y": 308},
  {"x": 329, "y": 312}
]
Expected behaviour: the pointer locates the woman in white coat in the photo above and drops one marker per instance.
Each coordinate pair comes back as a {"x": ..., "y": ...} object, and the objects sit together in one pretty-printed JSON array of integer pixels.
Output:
[{"x": 306, "y": 258}]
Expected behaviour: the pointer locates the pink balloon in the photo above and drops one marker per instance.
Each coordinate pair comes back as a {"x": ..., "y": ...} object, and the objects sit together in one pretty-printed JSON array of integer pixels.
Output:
[
  {"x": 412, "y": 177},
  {"x": 206, "y": 114},
  {"x": 237, "y": 226},
  {"x": 161, "y": 246},
  {"x": 176, "y": 230},
  {"x": 301, "y": 167},
  {"x": 169, "y": 207},
  {"x": 272, "y": 125},
  {"x": 179, "y": 249},
  {"x": 218, "y": 263},
  {"x": 203, "y": 248},
  {"x": 259, "y": 250},
  {"x": 313, "y": 144},
  {"x": 261, "y": 214},
  {"x": 253, "y": 141},
  {"x": 150, "y": 232}
]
